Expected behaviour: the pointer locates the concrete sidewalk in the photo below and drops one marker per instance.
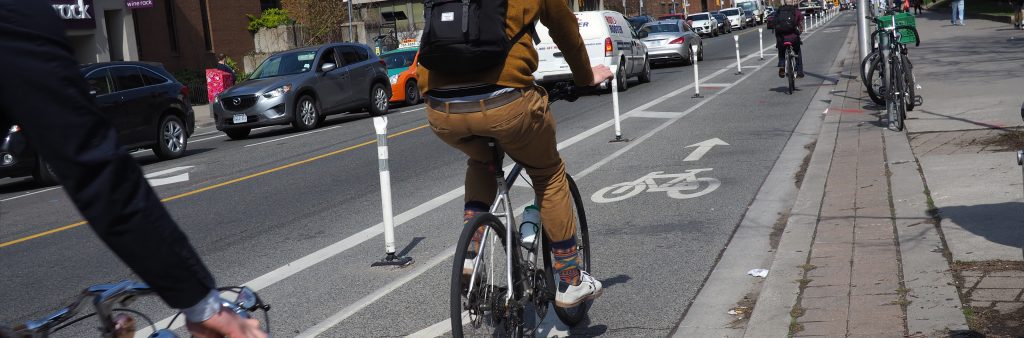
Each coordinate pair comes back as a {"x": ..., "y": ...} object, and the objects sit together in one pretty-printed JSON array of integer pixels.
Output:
[
  {"x": 916, "y": 233},
  {"x": 203, "y": 117}
]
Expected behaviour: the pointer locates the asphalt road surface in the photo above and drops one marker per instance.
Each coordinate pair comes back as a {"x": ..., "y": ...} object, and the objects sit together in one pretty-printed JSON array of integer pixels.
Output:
[{"x": 297, "y": 215}]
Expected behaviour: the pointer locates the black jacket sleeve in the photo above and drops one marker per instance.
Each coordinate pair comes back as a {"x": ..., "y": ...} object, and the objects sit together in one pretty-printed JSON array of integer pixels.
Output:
[{"x": 44, "y": 92}]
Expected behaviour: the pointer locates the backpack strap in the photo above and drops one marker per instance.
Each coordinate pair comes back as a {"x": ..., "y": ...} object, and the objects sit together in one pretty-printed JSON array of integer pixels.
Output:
[{"x": 529, "y": 28}]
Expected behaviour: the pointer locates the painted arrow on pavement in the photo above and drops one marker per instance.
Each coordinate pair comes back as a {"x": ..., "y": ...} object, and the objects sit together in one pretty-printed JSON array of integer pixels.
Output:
[
  {"x": 156, "y": 181},
  {"x": 703, "y": 148}
]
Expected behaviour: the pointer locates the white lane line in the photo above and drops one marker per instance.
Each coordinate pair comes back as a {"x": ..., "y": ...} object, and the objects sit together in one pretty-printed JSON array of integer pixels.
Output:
[
  {"x": 205, "y": 139},
  {"x": 206, "y": 133},
  {"x": 411, "y": 110},
  {"x": 656, "y": 114},
  {"x": 296, "y": 135},
  {"x": 28, "y": 194},
  {"x": 716, "y": 84},
  {"x": 378, "y": 294}
]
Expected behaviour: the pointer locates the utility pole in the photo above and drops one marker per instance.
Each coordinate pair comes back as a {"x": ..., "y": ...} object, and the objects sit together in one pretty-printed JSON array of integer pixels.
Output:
[{"x": 351, "y": 30}]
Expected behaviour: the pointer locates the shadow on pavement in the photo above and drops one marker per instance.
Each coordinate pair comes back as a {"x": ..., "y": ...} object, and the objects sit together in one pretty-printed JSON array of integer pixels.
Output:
[
  {"x": 620, "y": 279},
  {"x": 1001, "y": 223}
]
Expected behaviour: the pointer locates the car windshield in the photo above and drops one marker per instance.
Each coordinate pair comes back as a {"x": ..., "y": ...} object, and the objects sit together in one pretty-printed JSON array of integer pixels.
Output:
[
  {"x": 285, "y": 64},
  {"x": 399, "y": 59},
  {"x": 697, "y": 17},
  {"x": 660, "y": 28},
  {"x": 748, "y": 6},
  {"x": 730, "y": 12}
]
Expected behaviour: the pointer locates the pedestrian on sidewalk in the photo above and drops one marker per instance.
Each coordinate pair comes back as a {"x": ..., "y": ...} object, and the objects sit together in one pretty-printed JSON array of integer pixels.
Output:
[
  {"x": 958, "y": 12},
  {"x": 222, "y": 65},
  {"x": 917, "y": 7}
]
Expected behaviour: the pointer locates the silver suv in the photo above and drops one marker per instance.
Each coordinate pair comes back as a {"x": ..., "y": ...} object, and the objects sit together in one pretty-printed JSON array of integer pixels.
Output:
[{"x": 302, "y": 86}]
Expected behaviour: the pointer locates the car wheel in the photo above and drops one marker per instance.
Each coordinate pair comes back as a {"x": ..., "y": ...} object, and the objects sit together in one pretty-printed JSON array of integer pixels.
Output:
[
  {"x": 688, "y": 58},
  {"x": 700, "y": 52},
  {"x": 44, "y": 173},
  {"x": 620, "y": 75},
  {"x": 715, "y": 33},
  {"x": 237, "y": 134},
  {"x": 307, "y": 114},
  {"x": 171, "y": 139},
  {"x": 378, "y": 100},
  {"x": 645, "y": 76},
  {"x": 412, "y": 93}
]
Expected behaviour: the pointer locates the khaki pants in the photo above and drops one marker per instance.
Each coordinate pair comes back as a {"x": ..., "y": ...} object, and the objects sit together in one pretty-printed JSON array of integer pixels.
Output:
[{"x": 526, "y": 132}]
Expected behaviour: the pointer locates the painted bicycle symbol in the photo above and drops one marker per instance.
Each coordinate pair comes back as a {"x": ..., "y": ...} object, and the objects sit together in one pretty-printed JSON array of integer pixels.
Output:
[{"x": 679, "y": 186}]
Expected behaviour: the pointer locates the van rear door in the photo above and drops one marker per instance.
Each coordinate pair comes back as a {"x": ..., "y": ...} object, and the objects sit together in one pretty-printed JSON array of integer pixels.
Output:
[{"x": 553, "y": 66}]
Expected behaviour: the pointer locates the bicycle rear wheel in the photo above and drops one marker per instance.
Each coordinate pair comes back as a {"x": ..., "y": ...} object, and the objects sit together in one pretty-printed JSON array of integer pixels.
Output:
[
  {"x": 572, "y": 316},
  {"x": 894, "y": 104},
  {"x": 790, "y": 76},
  {"x": 908, "y": 74},
  {"x": 480, "y": 301}
]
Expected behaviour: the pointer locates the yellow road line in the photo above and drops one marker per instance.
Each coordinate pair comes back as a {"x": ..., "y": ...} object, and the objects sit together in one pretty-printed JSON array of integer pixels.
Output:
[{"x": 218, "y": 185}]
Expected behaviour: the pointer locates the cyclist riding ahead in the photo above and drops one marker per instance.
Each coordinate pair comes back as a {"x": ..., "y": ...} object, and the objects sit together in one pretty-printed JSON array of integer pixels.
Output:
[
  {"x": 476, "y": 77},
  {"x": 788, "y": 26},
  {"x": 47, "y": 97}
]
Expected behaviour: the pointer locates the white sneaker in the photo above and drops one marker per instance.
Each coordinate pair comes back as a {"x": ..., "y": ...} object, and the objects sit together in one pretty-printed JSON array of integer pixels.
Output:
[{"x": 573, "y": 295}]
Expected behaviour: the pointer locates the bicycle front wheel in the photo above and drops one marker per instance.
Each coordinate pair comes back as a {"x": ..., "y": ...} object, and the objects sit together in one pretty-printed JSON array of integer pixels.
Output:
[
  {"x": 875, "y": 81},
  {"x": 908, "y": 74},
  {"x": 790, "y": 73},
  {"x": 574, "y": 315},
  {"x": 480, "y": 287}
]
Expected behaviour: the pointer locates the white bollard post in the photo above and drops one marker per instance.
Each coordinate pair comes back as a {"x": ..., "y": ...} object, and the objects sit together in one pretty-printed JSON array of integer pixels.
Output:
[
  {"x": 615, "y": 105},
  {"x": 696, "y": 71},
  {"x": 380, "y": 124},
  {"x": 760, "y": 43},
  {"x": 739, "y": 68}
]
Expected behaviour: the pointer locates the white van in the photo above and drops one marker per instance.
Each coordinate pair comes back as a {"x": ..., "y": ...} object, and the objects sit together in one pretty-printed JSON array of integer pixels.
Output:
[
  {"x": 755, "y": 6},
  {"x": 609, "y": 40}
]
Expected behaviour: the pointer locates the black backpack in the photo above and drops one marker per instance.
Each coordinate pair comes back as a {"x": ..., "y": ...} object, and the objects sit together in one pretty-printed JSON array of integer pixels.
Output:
[
  {"x": 466, "y": 35},
  {"x": 785, "y": 20}
]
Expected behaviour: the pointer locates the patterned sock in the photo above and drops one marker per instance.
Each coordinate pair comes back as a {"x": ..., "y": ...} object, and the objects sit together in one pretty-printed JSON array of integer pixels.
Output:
[
  {"x": 471, "y": 210},
  {"x": 566, "y": 261}
]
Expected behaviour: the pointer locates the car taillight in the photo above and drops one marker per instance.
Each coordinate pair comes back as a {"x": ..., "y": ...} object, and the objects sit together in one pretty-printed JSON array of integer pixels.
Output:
[
  {"x": 680, "y": 40},
  {"x": 382, "y": 63},
  {"x": 184, "y": 91},
  {"x": 607, "y": 46}
]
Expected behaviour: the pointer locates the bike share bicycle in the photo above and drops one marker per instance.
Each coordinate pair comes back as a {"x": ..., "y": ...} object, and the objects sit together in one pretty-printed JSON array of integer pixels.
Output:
[
  {"x": 517, "y": 276},
  {"x": 104, "y": 298},
  {"x": 886, "y": 71}
]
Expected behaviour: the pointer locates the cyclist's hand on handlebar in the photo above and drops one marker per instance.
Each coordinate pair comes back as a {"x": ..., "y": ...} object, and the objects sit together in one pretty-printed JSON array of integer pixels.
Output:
[
  {"x": 227, "y": 324},
  {"x": 601, "y": 74}
]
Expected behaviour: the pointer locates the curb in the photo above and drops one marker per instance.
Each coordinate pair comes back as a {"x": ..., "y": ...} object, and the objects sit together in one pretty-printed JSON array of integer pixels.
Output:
[
  {"x": 771, "y": 317},
  {"x": 934, "y": 307}
]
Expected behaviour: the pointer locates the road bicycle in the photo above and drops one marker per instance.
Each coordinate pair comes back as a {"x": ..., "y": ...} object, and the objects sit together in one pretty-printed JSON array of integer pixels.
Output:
[
  {"x": 511, "y": 284},
  {"x": 679, "y": 186},
  {"x": 790, "y": 67},
  {"x": 110, "y": 303}
]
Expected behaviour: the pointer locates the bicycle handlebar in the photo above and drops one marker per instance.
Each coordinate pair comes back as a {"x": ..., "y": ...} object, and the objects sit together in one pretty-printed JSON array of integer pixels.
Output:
[
  {"x": 568, "y": 92},
  {"x": 105, "y": 296}
]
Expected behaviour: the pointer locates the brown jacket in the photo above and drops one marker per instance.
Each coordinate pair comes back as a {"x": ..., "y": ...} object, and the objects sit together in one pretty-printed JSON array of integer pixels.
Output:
[{"x": 522, "y": 60}]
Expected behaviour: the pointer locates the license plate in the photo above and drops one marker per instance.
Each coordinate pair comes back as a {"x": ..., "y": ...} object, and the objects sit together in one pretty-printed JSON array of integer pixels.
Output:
[{"x": 239, "y": 118}]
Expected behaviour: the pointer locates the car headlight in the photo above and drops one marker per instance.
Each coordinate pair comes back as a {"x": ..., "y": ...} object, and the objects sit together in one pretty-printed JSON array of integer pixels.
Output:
[
  {"x": 393, "y": 79},
  {"x": 277, "y": 92},
  {"x": 14, "y": 129}
]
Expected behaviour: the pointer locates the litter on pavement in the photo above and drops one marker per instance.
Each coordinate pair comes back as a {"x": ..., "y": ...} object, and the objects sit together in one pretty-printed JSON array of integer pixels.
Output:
[{"x": 758, "y": 273}]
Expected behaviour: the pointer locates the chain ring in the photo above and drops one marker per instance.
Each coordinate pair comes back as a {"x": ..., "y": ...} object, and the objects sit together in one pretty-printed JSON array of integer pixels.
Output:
[{"x": 540, "y": 294}]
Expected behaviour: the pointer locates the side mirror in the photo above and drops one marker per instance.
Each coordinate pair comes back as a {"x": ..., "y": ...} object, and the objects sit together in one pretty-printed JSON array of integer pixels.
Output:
[
  {"x": 642, "y": 34},
  {"x": 328, "y": 67}
]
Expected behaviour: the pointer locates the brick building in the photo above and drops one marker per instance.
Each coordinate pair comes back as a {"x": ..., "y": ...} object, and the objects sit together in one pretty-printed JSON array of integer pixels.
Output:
[{"x": 187, "y": 34}]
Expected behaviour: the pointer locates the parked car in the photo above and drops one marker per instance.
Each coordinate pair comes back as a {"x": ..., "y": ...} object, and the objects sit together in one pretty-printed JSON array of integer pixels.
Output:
[
  {"x": 723, "y": 23},
  {"x": 755, "y": 6},
  {"x": 670, "y": 41},
  {"x": 608, "y": 40},
  {"x": 751, "y": 21},
  {"x": 302, "y": 86},
  {"x": 703, "y": 23},
  {"x": 735, "y": 17},
  {"x": 146, "y": 105},
  {"x": 677, "y": 16},
  {"x": 401, "y": 64}
]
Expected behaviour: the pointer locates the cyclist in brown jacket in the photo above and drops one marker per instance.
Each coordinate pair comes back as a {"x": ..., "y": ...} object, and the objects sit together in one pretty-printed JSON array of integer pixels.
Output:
[{"x": 503, "y": 103}]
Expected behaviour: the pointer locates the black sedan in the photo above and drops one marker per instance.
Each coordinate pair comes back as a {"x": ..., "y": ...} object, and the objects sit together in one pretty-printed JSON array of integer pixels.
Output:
[{"x": 144, "y": 103}]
